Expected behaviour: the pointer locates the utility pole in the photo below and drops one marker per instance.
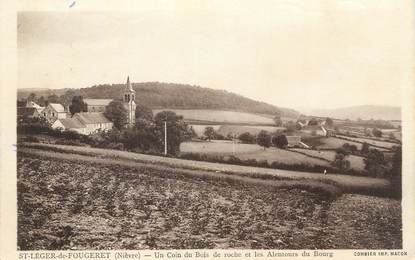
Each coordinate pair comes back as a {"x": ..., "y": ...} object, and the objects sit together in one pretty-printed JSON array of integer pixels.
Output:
[
  {"x": 165, "y": 137},
  {"x": 233, "y": 144}
]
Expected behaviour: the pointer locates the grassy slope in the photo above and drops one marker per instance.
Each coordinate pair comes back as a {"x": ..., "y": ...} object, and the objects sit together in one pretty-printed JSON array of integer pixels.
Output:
[
  {"x": 348, "y": 183},
  {"x": 179, "y": 96}
]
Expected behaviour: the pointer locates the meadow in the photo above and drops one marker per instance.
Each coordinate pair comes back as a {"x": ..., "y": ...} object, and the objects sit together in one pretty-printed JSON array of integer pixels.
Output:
[
  {"x": 221, "y": 116},
  {"x": 379, "y": 143},
  {"x": 334, "y": 143},
  {"x": 248, "y": 151},
  {"x": 253, "y": 130},
  {"x": 272, "y": 154},
  {"x": 356, "y": 162}
]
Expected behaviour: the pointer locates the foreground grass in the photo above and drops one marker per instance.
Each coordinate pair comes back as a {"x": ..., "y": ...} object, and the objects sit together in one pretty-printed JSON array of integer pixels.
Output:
[
  {"x": 69, "y": 202},
  {"x": 67, "y": 205}
]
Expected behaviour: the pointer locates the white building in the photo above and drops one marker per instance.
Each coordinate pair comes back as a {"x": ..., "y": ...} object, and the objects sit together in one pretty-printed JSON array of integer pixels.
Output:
[
  {"x": 53, "y": 112},
  {"x": 84, "y": 123}
]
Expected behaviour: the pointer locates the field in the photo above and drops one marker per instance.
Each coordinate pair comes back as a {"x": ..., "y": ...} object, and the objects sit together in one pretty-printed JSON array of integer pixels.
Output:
[
  {"x": 253, "y": 130},
  {"x": 334, "y": 143},
  {"x": 249, "y": 151},
  {"x": 348, "y": 183},
  {"x": 253, "y": 151},
  {"x": 218, "y": 147},
  {"x": 221, "y": 116},
  {"x": 235, "y": 129},
  {"x": 200, "y": 129},
  {"x": 74, "y": 201},
  {"x": 356, "y": 162},
  {"x": 386, "y": 145}
]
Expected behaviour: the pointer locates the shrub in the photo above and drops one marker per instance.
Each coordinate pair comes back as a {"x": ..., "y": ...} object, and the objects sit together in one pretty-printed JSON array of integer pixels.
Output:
[
  {"x": 280, "y": 141},
  {"x": 247, "y": 138},
  {"x": 376, "y": 132}
]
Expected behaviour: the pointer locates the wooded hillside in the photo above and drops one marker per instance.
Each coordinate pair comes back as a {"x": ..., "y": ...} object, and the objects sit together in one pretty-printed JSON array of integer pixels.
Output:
[{"x": 170, "y": 95}]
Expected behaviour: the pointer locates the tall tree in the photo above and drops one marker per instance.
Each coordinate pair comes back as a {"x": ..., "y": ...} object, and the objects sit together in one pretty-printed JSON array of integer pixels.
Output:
[
  {"x": 280, "y": 141},
  {"x": 78, "y": 105},
  {"x": 329, "y": 121},
  {"x": 42, "y": 102},
  {"x": 365, "y": 149},
  {"x": 177, "y": 130},
  {"x": 376, "y": 132},
  {"x": 340, "y": 160},
  {"x": 53, "y": 99},
  {"x": 209, "y": 133},
  {"x": 66, "y": 99},
  {"x": 264, "y": 139},
  {"x": 375, "y": 164},
  {"x": 116, "y": 112},
  {"x": 32, "y": 97},
  {"x": 143, "y": 113}
]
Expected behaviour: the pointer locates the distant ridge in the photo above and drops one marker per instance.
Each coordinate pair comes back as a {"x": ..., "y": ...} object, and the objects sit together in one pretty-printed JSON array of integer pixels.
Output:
[
  {"x": 365, "y": 112},
  {"x": 178, "y": 96}
]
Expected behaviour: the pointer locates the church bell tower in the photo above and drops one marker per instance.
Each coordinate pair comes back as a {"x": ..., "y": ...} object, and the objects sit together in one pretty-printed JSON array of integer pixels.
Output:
[{"x": 129, "y": 103}]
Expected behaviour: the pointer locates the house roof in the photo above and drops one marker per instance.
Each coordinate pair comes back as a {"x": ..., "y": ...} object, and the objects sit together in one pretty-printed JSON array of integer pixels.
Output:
[
  {"x": 97, "y": 102},
  {"x": 92, "y": 118},
  {"x": 57, "y": 107},
  {"x": 71, "y": 123},
  {"x": 33, "y": 104}
]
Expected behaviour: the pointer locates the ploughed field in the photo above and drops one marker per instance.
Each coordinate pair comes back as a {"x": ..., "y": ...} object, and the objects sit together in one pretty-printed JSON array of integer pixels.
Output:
[{"x": 70, "y": 204}]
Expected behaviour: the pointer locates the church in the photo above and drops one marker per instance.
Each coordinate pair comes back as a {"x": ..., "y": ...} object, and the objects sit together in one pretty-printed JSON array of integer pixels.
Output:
[{"x": 94, "y": 119}]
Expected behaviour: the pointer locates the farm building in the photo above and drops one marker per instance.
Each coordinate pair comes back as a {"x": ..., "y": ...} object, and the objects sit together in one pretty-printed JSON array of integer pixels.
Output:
[
  {"x": 70, "y": 124},
  {"x": 53, "y": 112},
  {"x": 96, "y": 105},
  {"x": 84, "y": 123}
]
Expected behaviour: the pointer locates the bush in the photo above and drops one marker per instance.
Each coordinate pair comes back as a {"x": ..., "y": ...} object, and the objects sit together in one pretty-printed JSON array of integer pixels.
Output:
[
  {"x": 280, "y": 141},
  {"x": 376, "y": 132},
  {"x": 247, "y": 138}
]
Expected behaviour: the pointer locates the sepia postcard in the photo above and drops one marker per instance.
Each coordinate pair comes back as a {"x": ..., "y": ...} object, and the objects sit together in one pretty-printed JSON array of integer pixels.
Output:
[{"x": 207, "y": 129}]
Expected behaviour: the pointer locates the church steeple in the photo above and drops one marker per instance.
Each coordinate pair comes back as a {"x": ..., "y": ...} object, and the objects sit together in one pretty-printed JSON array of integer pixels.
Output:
[
  {"x": 129, "y": 87},
  {"x": 129, "y": 102}
]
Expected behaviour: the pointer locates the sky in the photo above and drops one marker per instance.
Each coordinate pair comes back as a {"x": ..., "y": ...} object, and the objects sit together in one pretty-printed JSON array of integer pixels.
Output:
[{"x": 308, "y": 54}]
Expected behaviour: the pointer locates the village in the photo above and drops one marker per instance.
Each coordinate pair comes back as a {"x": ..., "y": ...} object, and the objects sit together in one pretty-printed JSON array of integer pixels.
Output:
[{"x": 185, "y": 127}]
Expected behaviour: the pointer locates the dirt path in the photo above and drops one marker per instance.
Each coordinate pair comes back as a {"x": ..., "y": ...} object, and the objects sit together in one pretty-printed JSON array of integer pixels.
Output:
[{"x": 352, "y": 184}]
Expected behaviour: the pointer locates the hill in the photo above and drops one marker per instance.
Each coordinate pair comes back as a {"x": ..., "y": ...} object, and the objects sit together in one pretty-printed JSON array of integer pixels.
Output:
[
  {"x": 45, "y": 92},
  {"x": 176, "y": 96},
  {"x": 364, "y": 112}
]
